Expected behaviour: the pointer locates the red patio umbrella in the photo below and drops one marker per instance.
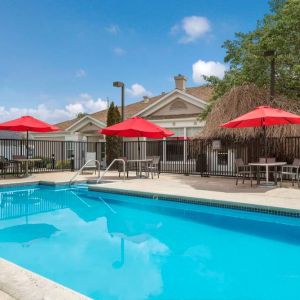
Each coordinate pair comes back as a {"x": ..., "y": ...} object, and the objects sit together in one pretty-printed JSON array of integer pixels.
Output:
[
  {"x": 263, "y": 116},
  {"x": 26, "y": 124},
  {"x": 137, "y": 127}
]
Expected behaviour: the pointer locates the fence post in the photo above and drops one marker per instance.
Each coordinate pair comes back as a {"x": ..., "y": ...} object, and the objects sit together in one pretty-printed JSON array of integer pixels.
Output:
[
  {"x": 72, "y": 163},
  {"x": 53, "y": 161},
  {"x": 62, "y": 155}
]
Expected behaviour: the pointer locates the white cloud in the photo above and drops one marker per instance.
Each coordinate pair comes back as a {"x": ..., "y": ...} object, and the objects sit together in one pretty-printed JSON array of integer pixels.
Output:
[
  {"x": 84, "y": 103},
  {"x": 207, "y": 68},
  {"x": 137, "y": 90},
  {"x": 119, "y": 51},
  {"x": 80, "y": 73},
  {"x": 113, "y": 29},
  {"x": 192, "y": 28}
]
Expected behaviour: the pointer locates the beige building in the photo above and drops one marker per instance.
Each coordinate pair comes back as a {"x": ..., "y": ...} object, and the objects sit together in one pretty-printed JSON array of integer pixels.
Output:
[{"x": 176, "y": 110}]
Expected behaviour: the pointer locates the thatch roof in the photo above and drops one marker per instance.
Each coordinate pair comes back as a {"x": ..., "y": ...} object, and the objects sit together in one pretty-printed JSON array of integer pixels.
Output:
[{"x": 241, "y": 100}]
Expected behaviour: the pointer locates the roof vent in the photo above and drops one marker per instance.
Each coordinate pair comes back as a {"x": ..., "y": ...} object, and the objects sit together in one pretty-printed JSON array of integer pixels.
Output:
[
  {"x": 163, "y": 93},
  {"x": 146, "y": 99}
]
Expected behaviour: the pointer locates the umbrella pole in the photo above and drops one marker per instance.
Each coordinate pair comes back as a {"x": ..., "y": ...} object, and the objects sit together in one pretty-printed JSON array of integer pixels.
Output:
[
  {"x": 139, "y": 148},
  {"x": 265, "y": 143},
  {"x": 27, "y": 144}
]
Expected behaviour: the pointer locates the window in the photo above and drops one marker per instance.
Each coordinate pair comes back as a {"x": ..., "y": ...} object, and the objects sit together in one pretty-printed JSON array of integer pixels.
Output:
[
  {"x": 70, "y": 147},
  {"x": 222, "y": 158},
  {"x": 178, "y": 105},
  {"x": 177, "y": 132},
  {"x": 192, "y": 131}
]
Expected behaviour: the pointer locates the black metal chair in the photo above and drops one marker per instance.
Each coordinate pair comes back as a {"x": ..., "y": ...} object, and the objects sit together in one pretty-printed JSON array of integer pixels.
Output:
[
  {"x": 4, "y": 165},
  {"x": 9, "y": 166}
]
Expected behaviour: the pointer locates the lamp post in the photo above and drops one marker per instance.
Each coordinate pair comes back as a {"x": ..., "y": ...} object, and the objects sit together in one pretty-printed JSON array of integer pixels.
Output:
[
  {"x": 271, "y": 53},
  {"x": 122, "y": 86}
]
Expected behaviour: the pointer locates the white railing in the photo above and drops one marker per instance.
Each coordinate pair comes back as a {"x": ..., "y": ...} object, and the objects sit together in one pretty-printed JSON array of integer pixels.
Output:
[
  {"x": 85, "y": 165},
  {"x": 116, "y": 159}
]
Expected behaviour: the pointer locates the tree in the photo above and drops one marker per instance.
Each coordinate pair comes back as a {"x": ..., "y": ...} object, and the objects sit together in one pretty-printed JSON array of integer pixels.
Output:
[
  {"x": 280, "y": 31},
  {"x": 81, "y": 115},
  {"x": 113, "y": 143}
]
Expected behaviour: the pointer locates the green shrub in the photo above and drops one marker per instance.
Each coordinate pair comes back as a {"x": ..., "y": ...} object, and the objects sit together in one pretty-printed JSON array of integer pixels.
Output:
[{"x": 63, "y": 164}]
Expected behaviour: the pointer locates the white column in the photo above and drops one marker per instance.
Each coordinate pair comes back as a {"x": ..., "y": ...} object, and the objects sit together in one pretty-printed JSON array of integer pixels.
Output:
[
  {"x": 145, "y": 150},
  {"x": 164, "y": 158}
]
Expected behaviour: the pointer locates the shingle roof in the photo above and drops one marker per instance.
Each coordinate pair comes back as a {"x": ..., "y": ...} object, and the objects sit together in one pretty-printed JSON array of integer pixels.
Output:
[{"x": 201, "y": 92}]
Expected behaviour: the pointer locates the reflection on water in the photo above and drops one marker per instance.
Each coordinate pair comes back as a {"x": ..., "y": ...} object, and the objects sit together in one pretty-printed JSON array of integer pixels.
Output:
[
  {"x": 120, "y": 252},
  {"x": 26, "y": 233},
  {"x": 28, "y": 201}
]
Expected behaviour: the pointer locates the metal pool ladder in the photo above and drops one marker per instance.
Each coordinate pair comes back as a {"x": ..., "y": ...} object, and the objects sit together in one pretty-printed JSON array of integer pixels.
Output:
[
  {"x": 79, "y": 171},
  {"x": 116, "y": 159}
]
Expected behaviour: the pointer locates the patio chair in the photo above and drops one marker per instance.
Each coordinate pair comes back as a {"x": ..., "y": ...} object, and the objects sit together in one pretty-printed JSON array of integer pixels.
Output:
[
  {"x": 120, "y": 166},
  {"x": 91, "y": 166},
  {"x": 243, "y": 170},
  {"x": 6, "y": 165},
  {"x": 153, "y": 166},
  {"x": 291, "y": 170},
  {"x": 19, "y": 166},
  {"x": 268, "y": 159}
]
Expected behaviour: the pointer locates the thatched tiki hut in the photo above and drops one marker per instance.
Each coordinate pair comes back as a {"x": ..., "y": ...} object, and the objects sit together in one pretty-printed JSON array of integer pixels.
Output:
[{"x": 248, "y": 142}]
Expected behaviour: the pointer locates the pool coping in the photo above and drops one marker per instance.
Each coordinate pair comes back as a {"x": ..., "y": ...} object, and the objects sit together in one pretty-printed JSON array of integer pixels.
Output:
[
  {"x": 250, "y": 207},
  {"x": 19, "y": 283}
]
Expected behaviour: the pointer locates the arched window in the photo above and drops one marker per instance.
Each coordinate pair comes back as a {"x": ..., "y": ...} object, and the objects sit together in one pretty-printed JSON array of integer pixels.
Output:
[{"x": 178, "y": 105}]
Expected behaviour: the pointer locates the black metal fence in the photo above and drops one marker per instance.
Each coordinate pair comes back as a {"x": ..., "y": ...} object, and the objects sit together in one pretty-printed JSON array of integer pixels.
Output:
[
  {"x": 212, "y": 156},
  {"x": 47, "y": 156},
  {"x": 199, "y": 156}
]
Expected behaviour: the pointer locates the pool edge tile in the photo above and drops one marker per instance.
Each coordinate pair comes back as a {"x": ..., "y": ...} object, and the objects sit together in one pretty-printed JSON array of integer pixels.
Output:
[{"x": 273, "y": 210}]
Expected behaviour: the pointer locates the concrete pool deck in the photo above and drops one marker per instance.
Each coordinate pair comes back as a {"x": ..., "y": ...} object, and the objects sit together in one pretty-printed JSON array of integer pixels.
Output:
[{"x": 21, "y": 284}]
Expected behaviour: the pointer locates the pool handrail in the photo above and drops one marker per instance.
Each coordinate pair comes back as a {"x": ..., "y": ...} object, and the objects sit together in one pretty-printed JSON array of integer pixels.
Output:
[
  {"x": 81, "y": 169},
  {"x": 116, "y": 159}
]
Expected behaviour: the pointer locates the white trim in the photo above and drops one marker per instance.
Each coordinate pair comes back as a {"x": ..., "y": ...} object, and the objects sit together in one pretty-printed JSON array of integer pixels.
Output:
[
  {"x": 95, "y": 121},
  {"x": 160, "y": 103}
]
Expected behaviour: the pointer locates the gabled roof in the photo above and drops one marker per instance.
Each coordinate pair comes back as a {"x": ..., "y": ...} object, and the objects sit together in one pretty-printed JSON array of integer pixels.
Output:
[{"x": 201, "y": 92}]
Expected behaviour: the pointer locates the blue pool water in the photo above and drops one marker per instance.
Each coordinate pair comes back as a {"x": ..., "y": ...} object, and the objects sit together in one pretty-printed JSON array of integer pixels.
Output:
[{"x": 110, "y": 246}]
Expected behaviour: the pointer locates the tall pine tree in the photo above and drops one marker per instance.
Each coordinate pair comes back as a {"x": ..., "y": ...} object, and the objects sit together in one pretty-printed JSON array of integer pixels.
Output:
[{"x": 113, "y": 143}]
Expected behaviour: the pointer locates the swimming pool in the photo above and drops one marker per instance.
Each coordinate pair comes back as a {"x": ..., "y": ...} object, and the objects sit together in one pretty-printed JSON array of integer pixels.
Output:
[{"x": 110, "y": 246}]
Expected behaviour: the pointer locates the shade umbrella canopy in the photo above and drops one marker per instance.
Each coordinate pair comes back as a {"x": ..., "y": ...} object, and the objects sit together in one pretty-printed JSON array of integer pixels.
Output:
[
  {"x": 137, "y": 127},
  {"x": 27, "y": 123},
  {"x": 263, "y": 116}
]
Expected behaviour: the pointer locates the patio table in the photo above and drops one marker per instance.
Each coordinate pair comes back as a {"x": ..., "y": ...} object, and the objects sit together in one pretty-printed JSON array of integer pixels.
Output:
[
  {"x": 26, "y": 161},
  {"x": 139, "y": 162},
  {"x": 267, "y": 166}
]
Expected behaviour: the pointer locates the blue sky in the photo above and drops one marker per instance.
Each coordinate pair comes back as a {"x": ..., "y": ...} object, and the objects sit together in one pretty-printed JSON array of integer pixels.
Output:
[{"x": 59, "y": 57}]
